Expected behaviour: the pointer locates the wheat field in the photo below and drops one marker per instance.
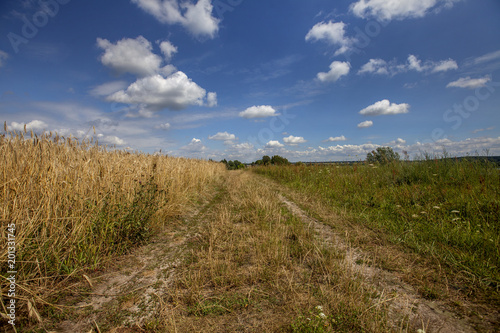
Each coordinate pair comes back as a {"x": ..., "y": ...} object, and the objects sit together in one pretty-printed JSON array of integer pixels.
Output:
[{"x": 76, "y": 203}]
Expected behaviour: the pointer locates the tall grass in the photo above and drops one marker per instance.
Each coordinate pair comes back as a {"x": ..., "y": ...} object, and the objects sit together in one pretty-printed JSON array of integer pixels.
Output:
[
  {"x": 76, "y": 203},
  {"x": 445, "y": 208}
]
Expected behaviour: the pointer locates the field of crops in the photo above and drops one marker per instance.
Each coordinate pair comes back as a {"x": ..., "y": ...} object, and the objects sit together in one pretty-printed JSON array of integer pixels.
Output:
[{"x": 74, "y": 204}]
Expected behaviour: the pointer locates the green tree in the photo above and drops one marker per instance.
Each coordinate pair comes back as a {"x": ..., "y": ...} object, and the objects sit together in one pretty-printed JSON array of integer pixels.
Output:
[
  {"x": 279, "y": 160},
  {"x": 382, "y": 155},
  {"x": 266, "y": 160}
]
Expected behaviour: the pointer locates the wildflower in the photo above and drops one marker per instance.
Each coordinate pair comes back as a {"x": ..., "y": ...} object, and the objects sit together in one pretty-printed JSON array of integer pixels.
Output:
[
  {"x": 420, "y": 330},
  {"x": 399, "y": 206},
  {"x": 436, "y": 207},
  {"x": 455, "y": 211},
  {"x": 415, "y": 216},
  {"x": 319, "y": 308},
  {"x": 423, "y": 213},
  {"x": 322, "y": 315}
]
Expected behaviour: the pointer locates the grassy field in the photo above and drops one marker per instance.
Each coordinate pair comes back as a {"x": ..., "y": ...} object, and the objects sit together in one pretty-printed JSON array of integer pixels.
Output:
[
  {"x": 256, "y": 267},
  {"x": 444, "y": 209},
  {"x": 225, "y": 251},
  {"x": 77, "y": 204}
]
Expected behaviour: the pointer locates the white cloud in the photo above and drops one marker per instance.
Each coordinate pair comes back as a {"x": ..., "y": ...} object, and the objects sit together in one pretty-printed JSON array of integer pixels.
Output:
[
  {"x": 384, "y": 107},
  {"x": 223, "y": 136},
  {"x": 167, "y": 70},
  {"x": 337, "y": 70},
  {"x": 108, "y": 88},
  {"x": 386, "y": 10},
  {"x": 399, "y": 143},
  {"x": 365, "y": 124},
  {"x": 274, "y": 144},
  {"x": 112, "y": 140},
  {"x": 243, "y": 146},
  {"x": 414, "y": 63},
  {"x": 333, "y": 33},
  {"x": 487, "y": 57},
  {"x": 445, "y": 65},
  {"x": 3, "y": 57},
  {"x": 34, "y": 125},
  {"x": 156, "y": 92},
  {"x": 376, "y": 66},
  {"x": 380, "y": 66},
  {"x": 337, "y": 138},
  {"x": 211, "y": 99},
  {"x": 194, "y": 147},
  {"x": 294, "y": 140},
  {"x": 165, "y": 126},
  {"x": 195, "y": 17},
  {"x": 261, "y": 111},
  {"x": 469, "y": 83},
  {"x": 168, "y": 49},
  {"x": 130, "y": 55},
  {"x": 459, "y": 148}
]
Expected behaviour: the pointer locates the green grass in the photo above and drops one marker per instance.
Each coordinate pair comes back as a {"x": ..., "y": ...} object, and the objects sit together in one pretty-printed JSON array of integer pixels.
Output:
[{"x": 445, "y": 208}]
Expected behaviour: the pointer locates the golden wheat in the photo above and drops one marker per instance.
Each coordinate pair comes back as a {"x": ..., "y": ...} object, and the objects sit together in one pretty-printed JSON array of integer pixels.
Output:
[{"x": 74, "y": 203}]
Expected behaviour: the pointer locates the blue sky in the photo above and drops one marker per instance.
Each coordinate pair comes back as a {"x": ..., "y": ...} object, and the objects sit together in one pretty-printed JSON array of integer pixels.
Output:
[{"x": 309, "y": 80}]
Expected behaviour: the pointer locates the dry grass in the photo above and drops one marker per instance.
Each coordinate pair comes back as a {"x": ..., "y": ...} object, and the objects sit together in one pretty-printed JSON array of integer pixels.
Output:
[
  {"x": 256, "y": 267},
  {"x": 74, "y": 204}
]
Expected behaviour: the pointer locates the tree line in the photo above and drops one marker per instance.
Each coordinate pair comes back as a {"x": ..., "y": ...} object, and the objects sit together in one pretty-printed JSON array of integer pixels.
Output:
[{"x": 382, "y": 155}]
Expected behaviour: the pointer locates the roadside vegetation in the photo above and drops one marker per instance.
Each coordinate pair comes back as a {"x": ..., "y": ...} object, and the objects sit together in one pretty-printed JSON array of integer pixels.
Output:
[
  {"x": 254, "y": 266},
  {"x": 443, "y": 209},
  {"x": 77, "y": 204}
]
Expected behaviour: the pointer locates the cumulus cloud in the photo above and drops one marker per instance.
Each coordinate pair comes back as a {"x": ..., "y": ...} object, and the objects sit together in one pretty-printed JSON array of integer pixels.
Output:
[
  {"x": 384, "y": 10},
  {"x": 274, "y": 144},
  {"x": 168, "y": 49},
  {"x": 34, "y": 125},
  {"x": 294, "y": 140},
  {"x": 130, "y": 56},
  {"x": 165, "y": 126},
  {"x": 382, "y": 67},
  {"x": 156, "y": 92},
  {"x": 445, "y": 65},
  {"x": 223, "y": 136},
  {"x": 384, "y": 107},
  {"x": 365, "y": 124},
  {"x": 337, "y": 70},
  {"x": 334, "y": 139},
  {"x": 195, "y": 16},
  {"x": 108, "y": 88},
  {"x": 211, "y": 99},
  {"x": 459, "y": 148},
  {"x": 243, "y": 146},
  {"x": 333, "y": 33},
  {"x": 375, "y": 66},
  {"x": 260, "y": 111},
  {"x": 414, "y": 63},
  {"x": 469, "y": 83},
  {"x": 3, "y": 57},
  {"x": 112, "y": 140},
  {"x": 195, "y": 147}
]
